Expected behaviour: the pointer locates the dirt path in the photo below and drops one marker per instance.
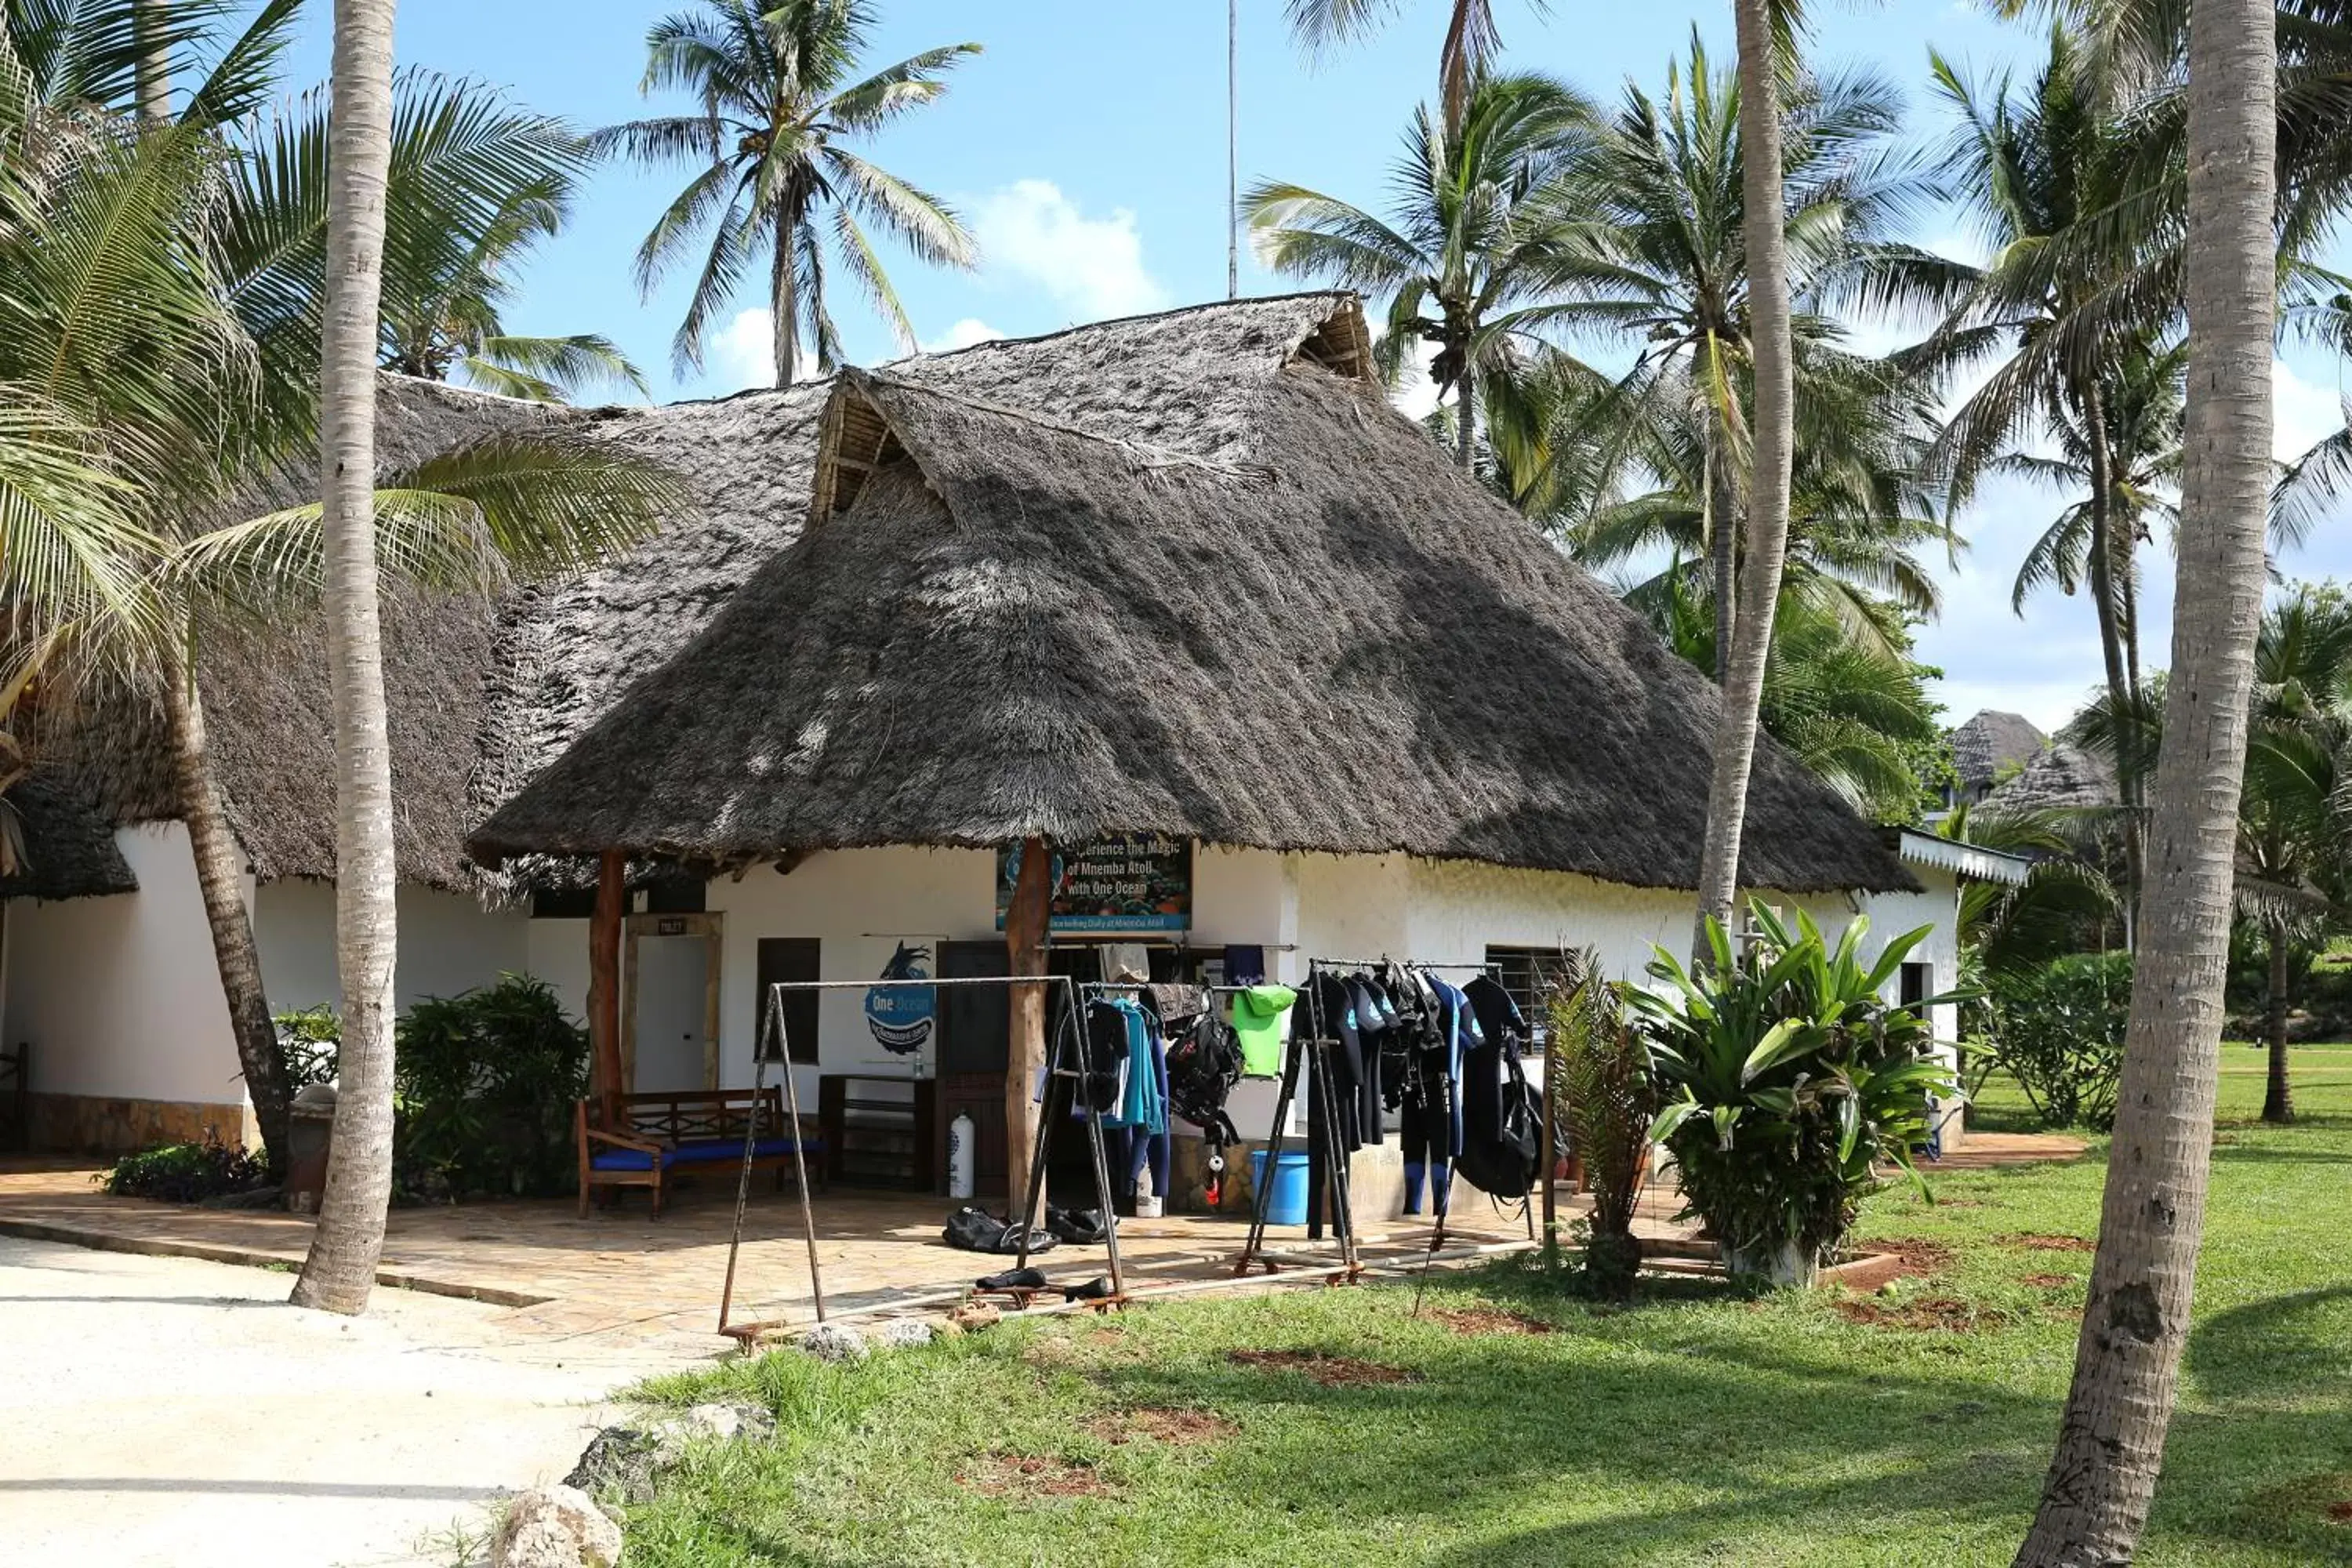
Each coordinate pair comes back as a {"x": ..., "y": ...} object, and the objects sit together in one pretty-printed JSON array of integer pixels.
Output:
[{"x": 169, "y": 1411}]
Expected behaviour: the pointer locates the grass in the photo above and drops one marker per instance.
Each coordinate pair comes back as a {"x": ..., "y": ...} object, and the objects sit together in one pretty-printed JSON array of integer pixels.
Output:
[{"x": 1698, "y": 1427}]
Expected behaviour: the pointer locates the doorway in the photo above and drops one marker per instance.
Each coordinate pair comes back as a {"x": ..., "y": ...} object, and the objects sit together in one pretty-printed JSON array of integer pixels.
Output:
[{"x": 670, "y": 1030}]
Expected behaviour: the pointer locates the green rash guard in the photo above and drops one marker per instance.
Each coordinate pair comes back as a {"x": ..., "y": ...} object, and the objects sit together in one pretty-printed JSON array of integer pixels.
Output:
[{"x": 1257, "y": 1021}]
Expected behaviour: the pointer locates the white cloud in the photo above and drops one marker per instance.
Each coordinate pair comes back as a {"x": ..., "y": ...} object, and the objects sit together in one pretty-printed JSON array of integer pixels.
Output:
[
  {"x": 2305, "y": 413},
  {"x": 1415, "y": 395},
  {"x": 971, "y": 330},
  {"x": 1092, "y": 267},
  {"x": 742, "y": 353}
]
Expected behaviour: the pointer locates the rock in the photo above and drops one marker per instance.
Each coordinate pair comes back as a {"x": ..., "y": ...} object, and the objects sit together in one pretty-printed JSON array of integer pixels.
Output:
[
  {"x": 721, "y": 1421},
  {"x": 835, "y": 1343},
  {"x": 974, "y": 1315},
  {"x": 905, "y": 1333},
  {"x": 619, "y": 1462},
  {"x": 555, "y": 1527}
]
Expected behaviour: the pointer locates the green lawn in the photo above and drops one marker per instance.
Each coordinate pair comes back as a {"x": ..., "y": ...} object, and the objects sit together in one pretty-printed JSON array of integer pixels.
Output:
[{"x": 1696, "y": 1428}]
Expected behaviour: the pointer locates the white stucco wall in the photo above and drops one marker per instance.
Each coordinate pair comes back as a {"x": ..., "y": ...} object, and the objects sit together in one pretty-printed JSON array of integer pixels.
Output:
[
  {"x": 118, "y": 995},
  {"x": 448, "y": 942},
  {"x": 557, "y": 952}
]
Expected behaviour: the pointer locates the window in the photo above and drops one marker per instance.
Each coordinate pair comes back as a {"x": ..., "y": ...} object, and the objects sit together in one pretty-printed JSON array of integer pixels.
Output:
[
  {"x": 1918, "y": 984},
  {"x": 782, "y": 959},
  {"x": 1527, "y": 973},
  {"x": 563, "y": 904}
]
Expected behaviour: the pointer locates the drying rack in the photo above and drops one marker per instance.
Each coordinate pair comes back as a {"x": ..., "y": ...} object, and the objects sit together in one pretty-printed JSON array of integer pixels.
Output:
[
  {"x": 774, "y": 1030},
  {"x": 1318, "y": 1043}
]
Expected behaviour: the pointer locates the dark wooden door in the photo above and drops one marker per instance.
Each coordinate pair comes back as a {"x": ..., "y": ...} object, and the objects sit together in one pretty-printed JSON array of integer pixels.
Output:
[
  {"x": 788, "y": 958},
  {"x": 974, "y": 1048}
]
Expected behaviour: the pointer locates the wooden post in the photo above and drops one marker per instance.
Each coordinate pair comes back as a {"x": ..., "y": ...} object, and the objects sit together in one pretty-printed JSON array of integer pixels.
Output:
[
  {"x": 604, "y": 982},
  {"x": 1025, "y": 944}
]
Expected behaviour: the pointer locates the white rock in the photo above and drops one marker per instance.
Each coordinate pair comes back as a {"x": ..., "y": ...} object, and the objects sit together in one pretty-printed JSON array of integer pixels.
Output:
[
  {"x": 905, "y": 1333},
  {"x": 834, "y": 1342},
  {"x": 724, "y": 1421},
  {"x": 555, "y": 1527}
]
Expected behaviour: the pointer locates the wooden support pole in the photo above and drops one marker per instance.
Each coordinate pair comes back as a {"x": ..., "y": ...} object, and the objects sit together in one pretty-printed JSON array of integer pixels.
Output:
[
  {"x": 604, "y": 982},
  {"x": 1025, "y": 920}
]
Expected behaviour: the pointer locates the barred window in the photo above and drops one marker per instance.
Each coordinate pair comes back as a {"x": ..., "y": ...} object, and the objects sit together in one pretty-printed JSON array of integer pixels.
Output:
[{"x": 1527, "y": 973}]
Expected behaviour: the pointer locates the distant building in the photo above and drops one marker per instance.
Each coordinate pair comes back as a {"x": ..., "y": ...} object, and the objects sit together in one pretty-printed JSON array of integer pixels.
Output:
[{"x": 1987, "y": 750}]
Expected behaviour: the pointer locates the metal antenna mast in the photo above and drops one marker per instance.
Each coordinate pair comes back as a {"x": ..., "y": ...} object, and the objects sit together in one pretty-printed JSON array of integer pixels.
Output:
[{"x": 1233, "y": 153}]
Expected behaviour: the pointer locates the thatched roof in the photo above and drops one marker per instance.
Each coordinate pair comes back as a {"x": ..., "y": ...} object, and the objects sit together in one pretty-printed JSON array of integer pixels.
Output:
[
  {"x": 1992, "y": 743},
  {"x": 2063, "y": 777},
  {"x": 483, "y": 696},
  {"x": 69, "y": 849},
  {"x": 1311, "y": 636}
]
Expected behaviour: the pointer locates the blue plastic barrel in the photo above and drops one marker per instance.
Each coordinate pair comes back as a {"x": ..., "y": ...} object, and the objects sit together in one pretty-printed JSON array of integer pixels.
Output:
[{"x": 1288, "y": 1203}]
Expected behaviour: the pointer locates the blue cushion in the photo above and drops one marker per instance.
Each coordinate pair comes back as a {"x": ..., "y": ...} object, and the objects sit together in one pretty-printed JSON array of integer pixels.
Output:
[{"x": 703, "y": 1151}]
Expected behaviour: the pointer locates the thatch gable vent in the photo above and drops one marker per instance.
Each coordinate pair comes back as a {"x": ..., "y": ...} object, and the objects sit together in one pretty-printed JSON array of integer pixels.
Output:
[
  {"x": 1342, "y": 345},
  {"x": 854, "y": 440}
]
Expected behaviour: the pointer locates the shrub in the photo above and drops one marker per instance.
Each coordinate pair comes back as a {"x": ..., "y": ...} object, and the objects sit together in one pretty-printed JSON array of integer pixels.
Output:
[
  {"x": 483, "y": 1085},
  {"x": 186, "y": 1173},
  {"x": 2058, "y": 1030},
  {"x": 1607, "y": 1100},
  {"x": 308, "y": 1041},
  {"x": 1787, "y": 1077}
]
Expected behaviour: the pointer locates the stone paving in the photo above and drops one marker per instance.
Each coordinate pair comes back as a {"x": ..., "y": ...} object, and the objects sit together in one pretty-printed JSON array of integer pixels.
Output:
[{"x": 617, "y": 1279}]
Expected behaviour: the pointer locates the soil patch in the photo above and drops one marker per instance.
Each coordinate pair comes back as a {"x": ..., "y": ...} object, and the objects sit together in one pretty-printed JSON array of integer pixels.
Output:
[
  {"x": 2047, "y": 1282},
  {"x": 1030, "y": 1475},
  {"x": 1918, "y": 1255},
  {"x": 1162, "y": 1424},
  {"x": 2040, "y": 1243},
  {"x": 1945, "y": 1314},
  {"x": 1490, "y": 1320},
  {"x": 1330, "y": 1371}
]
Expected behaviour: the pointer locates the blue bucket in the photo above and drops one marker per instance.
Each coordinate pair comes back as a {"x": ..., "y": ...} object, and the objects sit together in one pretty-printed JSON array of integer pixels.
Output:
[{"x": 1286, "y": 1204}]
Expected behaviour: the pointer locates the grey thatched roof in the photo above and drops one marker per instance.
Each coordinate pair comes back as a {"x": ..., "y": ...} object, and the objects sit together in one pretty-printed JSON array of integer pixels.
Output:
[
  {"x": 2063, "y": 777},
  {"x": 482, "y": 697},
  {"x": 1311, "y": 634},
  {"x": 69, "y": 849},
  {"x": 1991, "y": 743}
]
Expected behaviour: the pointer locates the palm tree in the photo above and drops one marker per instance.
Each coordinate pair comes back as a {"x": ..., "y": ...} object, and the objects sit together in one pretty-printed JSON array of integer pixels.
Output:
[
  {"x": 1479, "y": 233},
  {"x": 2110, "y": 1446},
  {"x": 339, "y": 1271},
  {"x": 781, "y": 101},
  {"x": 1472, "y": 40}
]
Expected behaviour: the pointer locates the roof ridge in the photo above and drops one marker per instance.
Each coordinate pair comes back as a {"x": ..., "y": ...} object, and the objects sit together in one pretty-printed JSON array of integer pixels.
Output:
[{"x": 1154, "y": 457}]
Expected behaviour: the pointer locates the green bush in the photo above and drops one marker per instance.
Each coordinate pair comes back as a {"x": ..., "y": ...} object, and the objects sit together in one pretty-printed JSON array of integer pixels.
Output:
[
  {"x": 186, "y": 1173},
  {"x": 308, "y": 1041},
  {"x": 2058, "y": 1030},
  {"x": 1607, "y": 1098},
  {"x": 483, "y": 1092},
  {"x": 1787, "y": 1077}
]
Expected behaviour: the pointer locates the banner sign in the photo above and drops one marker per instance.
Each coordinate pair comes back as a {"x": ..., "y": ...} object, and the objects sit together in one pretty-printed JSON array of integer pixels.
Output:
[
  {"x": 1127, "y": 882},
  {"x": 901, "y": 1018}
]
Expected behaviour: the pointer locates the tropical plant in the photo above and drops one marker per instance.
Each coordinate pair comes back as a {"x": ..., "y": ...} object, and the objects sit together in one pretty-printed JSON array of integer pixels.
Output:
[
  {"x": 487, "y": 1082},
  {"x": 780, "y": 102},
  {"x": 185, "y": 1172},
  {"x": 2102, "y": 1475},
  {"x": 1469, "y": 263},
  {"x": 1472, "y": 39},
  {"x": 307, "y": 1039},
  {"x": 2058, "y": 1030},
  {"x": 1787, "y": 1077},
  {"x": 1603, "y": 1086},
  {"x": 2069, "y": 903}
]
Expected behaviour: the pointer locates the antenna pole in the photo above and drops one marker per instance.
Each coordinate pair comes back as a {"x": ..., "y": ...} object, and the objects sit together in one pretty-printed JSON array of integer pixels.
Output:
[{"x": 1232, "y": 152}]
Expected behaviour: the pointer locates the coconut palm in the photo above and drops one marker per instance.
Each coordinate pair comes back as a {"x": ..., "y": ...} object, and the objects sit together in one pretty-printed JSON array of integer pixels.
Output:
[
  {"x": 1472, "y": 39},
  {"x": 1469, "y": 260},
  {"x": 2103, "y": 1474},
  {"x": 781, "y": 99}
]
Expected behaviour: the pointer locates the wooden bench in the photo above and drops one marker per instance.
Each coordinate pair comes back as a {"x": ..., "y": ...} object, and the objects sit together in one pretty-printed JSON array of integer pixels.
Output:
[{"x": 696, "y": 1129}]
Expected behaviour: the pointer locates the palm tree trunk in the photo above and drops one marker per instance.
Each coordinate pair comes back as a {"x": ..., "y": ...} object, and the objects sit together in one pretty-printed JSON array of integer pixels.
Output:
[
  {"x": 2278, "y": 1094},
  {"x": 1773, "y": 438},
  {"x": 2102, "y": 1477},
  {"x": 220, "y": 879},
  {"x": 1720, "y": 496},
  {"x": 2122, "y": 687},
  {"x": 1465, "y": 421},
  {"x": 784, "y": 304},
  {"x": 1027, "y": 917},
  {"x": 151, "y": 75},
  {"x": 340, "y": 1271}
]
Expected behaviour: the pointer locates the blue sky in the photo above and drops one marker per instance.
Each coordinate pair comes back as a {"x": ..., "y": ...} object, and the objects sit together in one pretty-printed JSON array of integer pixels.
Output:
[{"x": 1086, "y": 147}]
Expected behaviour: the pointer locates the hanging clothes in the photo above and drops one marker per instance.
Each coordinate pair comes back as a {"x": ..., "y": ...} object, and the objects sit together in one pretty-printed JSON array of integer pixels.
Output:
[
  {"x": 1328, "y": 1012},
  {"x": 1125, "y": 963},
  {"x": 1244, "y": 964},
  {"x": 1258, "y": 1023},
  {"x": 1501, "y": 1032},
  {"x": 1149, "y": 1145}
]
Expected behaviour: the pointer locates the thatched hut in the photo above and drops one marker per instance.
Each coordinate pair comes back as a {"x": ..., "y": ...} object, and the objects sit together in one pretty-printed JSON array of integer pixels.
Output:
[{"x": 1180, "y": 595}]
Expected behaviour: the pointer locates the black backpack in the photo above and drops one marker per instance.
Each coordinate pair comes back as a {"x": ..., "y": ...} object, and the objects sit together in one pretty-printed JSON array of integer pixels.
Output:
[
  {"x": 1205, "y": 1062},
  {"x": 1505, "y": 1166}
]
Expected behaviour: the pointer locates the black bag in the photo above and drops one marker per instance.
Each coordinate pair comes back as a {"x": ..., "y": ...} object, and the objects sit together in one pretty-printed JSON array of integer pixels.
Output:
[
  {"x": 1081, "y": 1227},
  {"x": 970, "y": 1229},
  {"x": 1506, "y": 1166},
  {"x": 1205, "y": 1062}
]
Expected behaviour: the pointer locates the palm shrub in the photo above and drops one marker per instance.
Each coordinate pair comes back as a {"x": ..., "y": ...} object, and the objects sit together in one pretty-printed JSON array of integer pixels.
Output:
[
  {"x": 1603, "y": 1084},
  {"x": 1789, "y": 1080}
]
